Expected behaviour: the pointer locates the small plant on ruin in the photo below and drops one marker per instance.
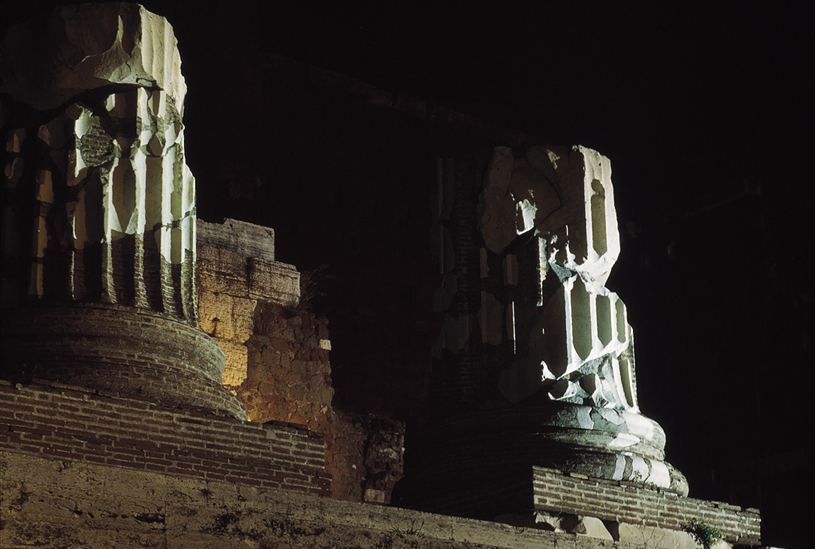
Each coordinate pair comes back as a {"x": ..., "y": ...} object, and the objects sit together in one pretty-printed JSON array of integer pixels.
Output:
[
  {"x": 415, "y": 530},
  {"x": 224, "y": 523},
  {"x": 705, "y": 535},
  {"x": 313, "y": 285}
]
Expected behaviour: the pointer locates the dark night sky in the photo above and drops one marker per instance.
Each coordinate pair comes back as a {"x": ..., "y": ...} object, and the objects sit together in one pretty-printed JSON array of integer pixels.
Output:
[
  {"x": 723, "y": 88},
  {"x": 687, "y": 99},
  {"x": 676, "y": 94}
]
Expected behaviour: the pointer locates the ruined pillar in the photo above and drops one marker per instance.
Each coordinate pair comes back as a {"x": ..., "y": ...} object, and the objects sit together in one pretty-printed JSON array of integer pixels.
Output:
[
  {"x": 535, "y": 362},
  {"x": 98, "y": 218}
]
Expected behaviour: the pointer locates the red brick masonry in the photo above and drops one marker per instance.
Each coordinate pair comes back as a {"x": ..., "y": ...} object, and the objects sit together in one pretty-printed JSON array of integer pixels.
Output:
[
  {"x": 117, "y": 349},
  {"x": 626, "y": 502},
  {"x": 67, "y": 422}
]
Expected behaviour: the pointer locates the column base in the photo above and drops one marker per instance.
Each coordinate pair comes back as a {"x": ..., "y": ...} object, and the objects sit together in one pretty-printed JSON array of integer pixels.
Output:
[
  {"x": 479, "y": 464},
  {"x": 117, "y": 349}
]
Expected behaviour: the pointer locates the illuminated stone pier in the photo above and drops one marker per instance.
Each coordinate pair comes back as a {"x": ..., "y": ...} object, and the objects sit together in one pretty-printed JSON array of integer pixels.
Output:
[
  {"x": 99, "y": 225},
  {"x": 535, "y": 363}
]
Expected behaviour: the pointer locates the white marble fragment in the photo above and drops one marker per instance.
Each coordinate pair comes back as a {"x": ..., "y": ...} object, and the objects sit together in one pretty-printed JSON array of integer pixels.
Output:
[
  {"x": 580, "y": 345},
  {"x": 90, "y": 46},
  {"x": 549, "y": 216},
  {"x": 106, "y": 83}
]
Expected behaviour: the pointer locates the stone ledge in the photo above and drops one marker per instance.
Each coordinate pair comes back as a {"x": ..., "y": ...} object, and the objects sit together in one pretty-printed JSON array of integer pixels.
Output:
[
  {"x": 244, "y": 238},
  {"x": 223, "y": 271},
  {"x": 47, "y": 502}
]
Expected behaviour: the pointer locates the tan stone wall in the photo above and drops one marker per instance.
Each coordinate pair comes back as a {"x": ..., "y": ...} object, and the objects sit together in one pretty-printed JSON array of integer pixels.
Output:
[
  {"x": 277, "y": 359},
  {"x": 289, "y": 374},
  {"x": 229, "y": 286},
  {"x": 70, "y": 505}
]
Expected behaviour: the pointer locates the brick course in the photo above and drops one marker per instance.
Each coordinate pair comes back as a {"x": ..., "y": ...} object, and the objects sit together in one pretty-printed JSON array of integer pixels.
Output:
[
  {"x": 117, "y": 349},
  {"x": 68, "y": 422},
  {"x": 625, "y": 502}
]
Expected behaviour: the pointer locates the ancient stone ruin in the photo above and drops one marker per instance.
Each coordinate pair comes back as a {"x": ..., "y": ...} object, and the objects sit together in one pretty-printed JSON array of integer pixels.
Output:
[
  {"x": 551, "y": 215},
  {"x": 535, "y": 362},
  {"x": 99, "y": 210},
  {"x": 163, "y": 383}
]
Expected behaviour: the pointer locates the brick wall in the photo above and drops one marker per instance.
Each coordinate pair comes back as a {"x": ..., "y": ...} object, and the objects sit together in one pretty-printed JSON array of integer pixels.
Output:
[
  {"x": 625, "y": 502},
  {"x": 70, "y": 423},
  {"x": 116, "y": 349},
  {"x": 463, "y": 377}
]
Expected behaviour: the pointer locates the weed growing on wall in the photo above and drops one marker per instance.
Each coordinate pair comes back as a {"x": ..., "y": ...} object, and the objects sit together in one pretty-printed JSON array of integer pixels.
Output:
[
  {"x": 705, "y": 535},
  {"x": 313, "y": 286}
]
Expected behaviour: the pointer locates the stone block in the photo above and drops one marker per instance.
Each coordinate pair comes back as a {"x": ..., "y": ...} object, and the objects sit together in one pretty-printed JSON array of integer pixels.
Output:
[
  {"x": 237, "y": 359},
  {"x": 274, "y": 281},
  {"x": 222, "y": 271},
  {"x": 660, "y": 538},
  {"x": 246, "y": 239},
  {"x": 226, "y": 317}
]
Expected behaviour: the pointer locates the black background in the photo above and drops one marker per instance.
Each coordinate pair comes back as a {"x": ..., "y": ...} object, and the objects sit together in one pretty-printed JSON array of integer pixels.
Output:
[{"x": 693, "y": 104}]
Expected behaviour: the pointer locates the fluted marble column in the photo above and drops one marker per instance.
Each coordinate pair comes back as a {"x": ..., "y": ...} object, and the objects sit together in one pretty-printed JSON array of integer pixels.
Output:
[
  {"x": 535, "y": 362},
  {"x": 99, "y": 204},
  {"x": 551, "y": 211}
]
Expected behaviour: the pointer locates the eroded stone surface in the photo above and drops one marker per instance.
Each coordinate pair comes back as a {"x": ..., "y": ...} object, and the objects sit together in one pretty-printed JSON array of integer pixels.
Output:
[
  {"x": 73, "y": 504},
  {"x": 548, "y": 218},
  {"x": 238, "y": 236},
  {"x": 89, "y": 46},
  {"x": 277, "y": 357},
  {"x": 99, "y": 204},
  {"x": 560, "y": 203},
  {"x": 236, "y": 273},
  {"x": 102, "y": 151}
]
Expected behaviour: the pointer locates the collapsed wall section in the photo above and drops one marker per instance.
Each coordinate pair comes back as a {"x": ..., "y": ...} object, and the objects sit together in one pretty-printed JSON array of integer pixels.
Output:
[
  {"x": 236, "y": 275},
  {"x": 277, "y": 357}
]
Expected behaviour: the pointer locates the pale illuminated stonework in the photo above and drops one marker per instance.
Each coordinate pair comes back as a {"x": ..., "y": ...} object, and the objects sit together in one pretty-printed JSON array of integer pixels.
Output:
[
  {"x": 551, "y": 212},
  {"x": 103, "y": 147},
  {"x": 99, "y": 224}
]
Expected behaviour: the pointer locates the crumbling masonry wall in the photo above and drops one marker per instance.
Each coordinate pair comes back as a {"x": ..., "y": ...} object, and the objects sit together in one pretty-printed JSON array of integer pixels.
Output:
[
  {"x": 50, "y": 502},
  {"x": 277, "y": 357}
]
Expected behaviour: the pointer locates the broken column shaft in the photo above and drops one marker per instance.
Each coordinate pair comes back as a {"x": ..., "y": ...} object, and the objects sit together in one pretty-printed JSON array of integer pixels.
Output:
[
  {"x": 535, "y": 362},
  {"x": 98, "y": 283}
]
